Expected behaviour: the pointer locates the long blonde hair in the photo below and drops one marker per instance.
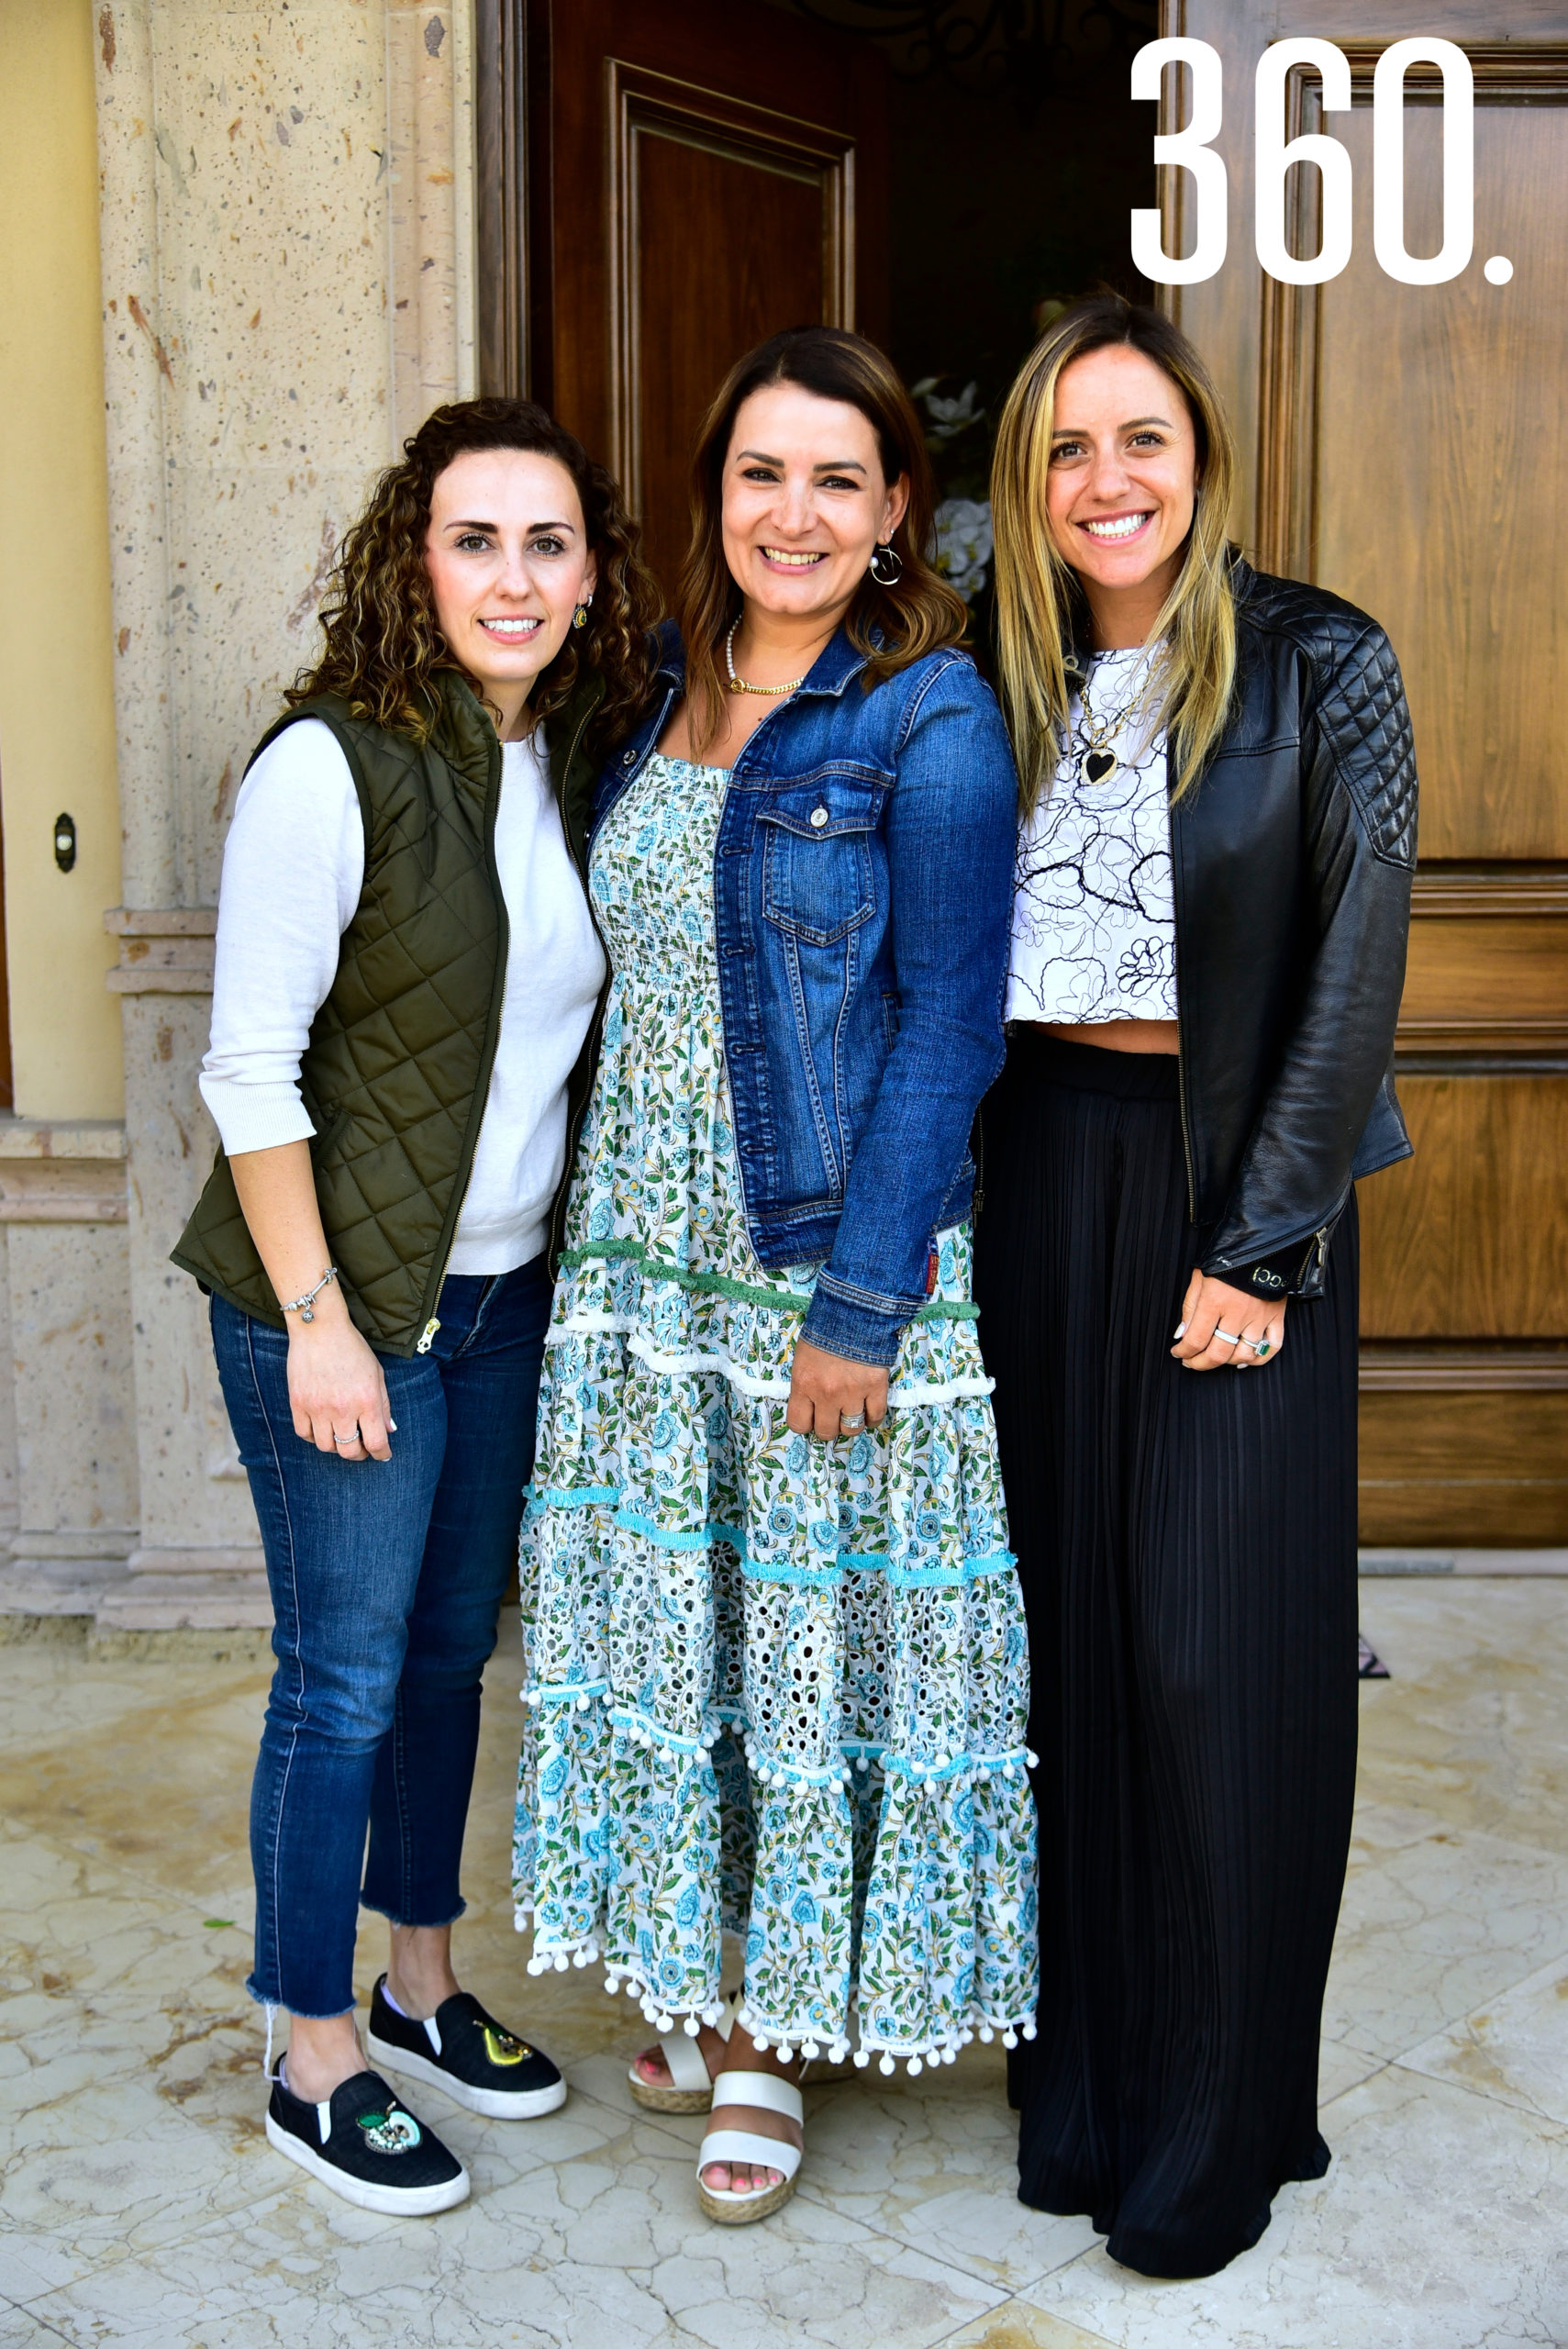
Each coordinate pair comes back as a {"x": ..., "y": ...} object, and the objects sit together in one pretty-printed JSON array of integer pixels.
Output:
[{"x": 1041, "y": 607}]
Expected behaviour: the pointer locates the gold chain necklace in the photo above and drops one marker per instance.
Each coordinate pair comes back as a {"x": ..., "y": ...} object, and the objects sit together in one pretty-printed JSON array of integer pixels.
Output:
[
  {"x": 740, "y": 684},
  {"x": 1099, "y": 763}
]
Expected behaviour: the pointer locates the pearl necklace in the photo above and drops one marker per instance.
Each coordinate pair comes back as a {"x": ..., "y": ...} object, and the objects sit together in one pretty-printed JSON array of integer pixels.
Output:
[{"x": 739, "y": 684}]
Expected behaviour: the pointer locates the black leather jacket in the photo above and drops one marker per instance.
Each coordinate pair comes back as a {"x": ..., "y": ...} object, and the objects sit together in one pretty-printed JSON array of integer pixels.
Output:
[{"x": 1291, "y": 862}]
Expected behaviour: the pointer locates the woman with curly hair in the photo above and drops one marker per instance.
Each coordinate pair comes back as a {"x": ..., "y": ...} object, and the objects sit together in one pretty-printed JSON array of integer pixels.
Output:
[{"x": 404, "y": 1027}]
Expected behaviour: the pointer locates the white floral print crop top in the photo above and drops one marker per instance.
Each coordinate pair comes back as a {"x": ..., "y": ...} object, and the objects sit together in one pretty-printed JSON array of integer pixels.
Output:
[{"x": 1094, "y": 923}]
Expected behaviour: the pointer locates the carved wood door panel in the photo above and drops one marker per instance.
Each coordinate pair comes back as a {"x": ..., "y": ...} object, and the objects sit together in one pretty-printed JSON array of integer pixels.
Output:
[
  {"x": 1406, "y": 446},
  {"x": 689, "y": 176}
]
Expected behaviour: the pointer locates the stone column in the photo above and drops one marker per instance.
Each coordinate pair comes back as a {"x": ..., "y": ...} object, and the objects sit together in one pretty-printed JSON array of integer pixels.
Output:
[
  {"x": 198, "y": 1561},
  {"x": 270, "y": 327},
  {"x": 68, "y": 1455}
]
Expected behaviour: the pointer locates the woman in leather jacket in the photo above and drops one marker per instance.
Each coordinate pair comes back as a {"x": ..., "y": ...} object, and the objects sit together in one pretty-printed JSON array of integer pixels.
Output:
[{"x": 1208, "y": 948}]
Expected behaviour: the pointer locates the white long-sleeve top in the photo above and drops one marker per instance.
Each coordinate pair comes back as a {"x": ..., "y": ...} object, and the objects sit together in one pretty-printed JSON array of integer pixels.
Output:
[{"x": 292, "y": 871}]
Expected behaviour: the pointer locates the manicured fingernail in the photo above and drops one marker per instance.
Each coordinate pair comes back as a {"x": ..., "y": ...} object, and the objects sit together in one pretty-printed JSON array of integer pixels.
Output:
[
  {"x": 1179, "y": 1332},
  {"x": 392, "y": 1426}
]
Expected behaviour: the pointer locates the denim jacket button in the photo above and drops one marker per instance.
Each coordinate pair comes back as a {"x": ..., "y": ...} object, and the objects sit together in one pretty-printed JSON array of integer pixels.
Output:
[{"x": 818, "y": 817}]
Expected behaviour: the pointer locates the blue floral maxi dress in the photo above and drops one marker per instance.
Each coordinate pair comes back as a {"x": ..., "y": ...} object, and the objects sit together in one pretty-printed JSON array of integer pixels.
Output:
[{"x": 774, "y": 1685}]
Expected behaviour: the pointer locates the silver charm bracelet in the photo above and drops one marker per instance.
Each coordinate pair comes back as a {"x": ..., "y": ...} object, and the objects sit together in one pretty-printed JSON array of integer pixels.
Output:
[{"x": 306, "y": 1306}]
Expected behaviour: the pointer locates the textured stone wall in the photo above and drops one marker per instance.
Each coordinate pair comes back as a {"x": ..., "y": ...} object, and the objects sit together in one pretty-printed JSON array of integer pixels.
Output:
[
  {"x": 286, "y": 200},
  {"x": 287, "y": 288}
]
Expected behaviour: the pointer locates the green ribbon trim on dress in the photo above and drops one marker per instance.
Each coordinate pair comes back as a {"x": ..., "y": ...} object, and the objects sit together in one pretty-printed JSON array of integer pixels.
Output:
[{"x": 742, "y": 1292}]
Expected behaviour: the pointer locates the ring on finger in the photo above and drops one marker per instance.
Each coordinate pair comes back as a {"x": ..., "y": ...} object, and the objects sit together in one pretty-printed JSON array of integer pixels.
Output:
[
  {"x": 1260, "y": 1346},
  {"x": 851, "y": 1421},
  {"x": 1232, "y": 1337},
  {"x": 351, "y": 1438}
]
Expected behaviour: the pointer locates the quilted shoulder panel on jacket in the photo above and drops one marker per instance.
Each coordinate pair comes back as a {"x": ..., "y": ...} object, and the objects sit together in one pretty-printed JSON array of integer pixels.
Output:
[{"x": 1360, "y": 705}]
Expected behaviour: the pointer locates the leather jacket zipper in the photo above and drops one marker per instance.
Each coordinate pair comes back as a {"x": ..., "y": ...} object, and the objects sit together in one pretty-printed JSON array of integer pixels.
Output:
[
  {"x": 1184, "y": 1120},
  {"x": 1185, "y": 1115}
]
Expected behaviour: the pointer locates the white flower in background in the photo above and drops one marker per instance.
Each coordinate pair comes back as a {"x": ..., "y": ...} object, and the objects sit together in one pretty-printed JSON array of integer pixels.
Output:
[
  {"x": 963, "y": 543},
  {"x": 949, "y": 417}
]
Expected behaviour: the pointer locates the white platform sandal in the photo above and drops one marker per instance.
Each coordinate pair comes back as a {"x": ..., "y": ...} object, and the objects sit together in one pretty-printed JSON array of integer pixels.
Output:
[
  {"x": 775, "y": 2095},
  {"x": 691, "y": 2083}
]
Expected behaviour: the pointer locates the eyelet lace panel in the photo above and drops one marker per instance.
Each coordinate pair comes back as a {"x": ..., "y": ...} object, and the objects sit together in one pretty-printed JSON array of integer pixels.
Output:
[{"x": 773, "y": 1685}]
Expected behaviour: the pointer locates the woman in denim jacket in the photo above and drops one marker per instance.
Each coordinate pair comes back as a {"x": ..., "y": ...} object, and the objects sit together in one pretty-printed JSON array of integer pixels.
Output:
[{"x": 776, "y": 1659}]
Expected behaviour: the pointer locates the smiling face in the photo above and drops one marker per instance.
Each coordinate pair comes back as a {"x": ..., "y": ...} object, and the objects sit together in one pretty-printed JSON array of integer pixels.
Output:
[
  {"x": 804, "y": 502},
  {"x": 509, "y": 562},
  {"x": 1121, "y": 485}
]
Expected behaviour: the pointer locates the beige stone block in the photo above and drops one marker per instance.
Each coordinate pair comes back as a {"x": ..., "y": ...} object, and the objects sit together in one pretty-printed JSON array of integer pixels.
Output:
[
  {"x": 194, "y": 1495},
  {"x": 257, "y": 544},
  {"x": 425, "y": 122},
  {"x": 76, "y": 1474}
]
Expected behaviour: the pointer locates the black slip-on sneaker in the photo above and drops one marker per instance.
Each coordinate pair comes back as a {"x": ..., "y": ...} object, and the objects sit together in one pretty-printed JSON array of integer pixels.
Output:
[
  {"x": 368, "y": 2147},
  {"x": 468, "y": 2054}
]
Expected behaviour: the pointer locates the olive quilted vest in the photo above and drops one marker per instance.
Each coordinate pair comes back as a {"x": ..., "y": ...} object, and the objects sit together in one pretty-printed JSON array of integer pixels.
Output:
[{"x": 397, "y": 1071}]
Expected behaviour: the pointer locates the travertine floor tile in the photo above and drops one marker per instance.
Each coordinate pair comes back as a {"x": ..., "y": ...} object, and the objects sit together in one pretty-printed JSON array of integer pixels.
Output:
[
  {"x": 1430, "y": 1624},
  {"x": 141, "y": 2203},
  {"x": 933, "y": 2161},
  {"x": 1340, "y": 2068},
  {"x": 20, "y": 2331},
  {"x": 159, "y": 1790},
  {"x": 1515, "y": 2048},
  {"x": 48, "y": 1695},
  {"x": 113, "y": 2169},
  {"x": 1017, "y": 2326},
  {"x": 1443, "y": 2223},
  {"x": 600, "y": 2253},
  {"x": 1436, "y": 1927},
  {"x": 1473, "y": 1726}
]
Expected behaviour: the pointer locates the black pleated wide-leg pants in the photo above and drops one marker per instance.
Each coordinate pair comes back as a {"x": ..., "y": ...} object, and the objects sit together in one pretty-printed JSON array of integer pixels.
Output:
[{"x": 1186, "y": 1548}]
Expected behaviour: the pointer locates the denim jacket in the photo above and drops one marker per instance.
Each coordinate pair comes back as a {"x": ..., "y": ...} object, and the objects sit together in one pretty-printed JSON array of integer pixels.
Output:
[{"x": 863, "y": 893}]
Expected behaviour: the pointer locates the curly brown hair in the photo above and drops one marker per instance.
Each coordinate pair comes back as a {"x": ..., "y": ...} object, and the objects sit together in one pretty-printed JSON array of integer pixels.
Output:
[
  {"x": 384, "y": 651},
  {"x": 892, "y": 626}
]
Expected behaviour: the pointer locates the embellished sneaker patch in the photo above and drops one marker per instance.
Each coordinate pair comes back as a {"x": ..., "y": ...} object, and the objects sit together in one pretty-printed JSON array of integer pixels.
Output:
[
  {"x": 502, "y": 2049},
  {"x": 391, "y": 2131}
]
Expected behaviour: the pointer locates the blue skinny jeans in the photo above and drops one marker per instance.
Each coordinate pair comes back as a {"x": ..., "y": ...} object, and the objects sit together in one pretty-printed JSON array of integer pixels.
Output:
[{"x": 386, "y": 1580}]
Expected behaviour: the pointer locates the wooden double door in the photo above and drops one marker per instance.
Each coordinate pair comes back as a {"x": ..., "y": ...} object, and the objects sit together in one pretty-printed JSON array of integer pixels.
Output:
[
  {"x": 665, "y": 181},
  {"x": 1406, "y": 446}
]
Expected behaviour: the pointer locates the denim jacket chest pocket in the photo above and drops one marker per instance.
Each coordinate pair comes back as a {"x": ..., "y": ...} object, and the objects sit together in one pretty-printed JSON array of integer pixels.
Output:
[{"x": 819, "y": 836}]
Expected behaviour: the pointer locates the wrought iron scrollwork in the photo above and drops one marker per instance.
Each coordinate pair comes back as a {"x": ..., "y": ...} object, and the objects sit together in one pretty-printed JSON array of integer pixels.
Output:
[{"x": 1020, "y": 47}]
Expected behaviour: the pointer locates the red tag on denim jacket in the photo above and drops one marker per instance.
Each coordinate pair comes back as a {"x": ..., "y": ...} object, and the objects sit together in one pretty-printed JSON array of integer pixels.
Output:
[{"x": 932, "y": 1272}]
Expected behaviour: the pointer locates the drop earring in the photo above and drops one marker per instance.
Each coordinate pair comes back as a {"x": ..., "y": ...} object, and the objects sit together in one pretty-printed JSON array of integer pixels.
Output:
[
  {"x": 886, "y": 565},
  {"x": 580, "y": 617}
]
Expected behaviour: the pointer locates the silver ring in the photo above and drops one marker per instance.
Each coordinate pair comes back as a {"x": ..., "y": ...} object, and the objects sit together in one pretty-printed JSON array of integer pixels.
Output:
[
  {"x": 852, "y": 1419},
  {"x": 1237, "y": 1341},
  {"x": 346, "y": 1439}
]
